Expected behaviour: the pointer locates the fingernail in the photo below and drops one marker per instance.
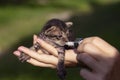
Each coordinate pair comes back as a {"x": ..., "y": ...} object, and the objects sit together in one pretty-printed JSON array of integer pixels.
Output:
[
  {"x": 21, "y": 47},
  {"x": 17, "y": 53},
  {"x": 35, "y": 35}
]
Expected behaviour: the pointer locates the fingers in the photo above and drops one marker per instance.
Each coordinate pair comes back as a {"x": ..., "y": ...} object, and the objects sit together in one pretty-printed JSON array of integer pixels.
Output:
[
  {"x": 92, "y": 50},
  {"x": 70, "y": 55},
  {"x": 38, "y": 63},
  {"x": 47, "y": 47},
  {"x": 98, "y": 45},
  {"x": 98, "y": 48},
  {"x": 49, "y": 59},
  {"x": 86, "y": 74},
  {"x": 35, "y": 62},
  {"x": 34, "y": 38},
  {"x": 99, "y": 56},
  {"x": 104, "y": 46},
  {"x": 89, "y": 61}
]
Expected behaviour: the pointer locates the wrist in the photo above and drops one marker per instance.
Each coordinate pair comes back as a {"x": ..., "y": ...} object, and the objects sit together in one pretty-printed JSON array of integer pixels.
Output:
[{"x": 70, "y": 56}]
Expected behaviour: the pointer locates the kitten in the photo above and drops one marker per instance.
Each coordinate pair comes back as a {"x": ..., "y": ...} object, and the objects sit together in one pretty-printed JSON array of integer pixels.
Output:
[{"x": 56, "y": 33}]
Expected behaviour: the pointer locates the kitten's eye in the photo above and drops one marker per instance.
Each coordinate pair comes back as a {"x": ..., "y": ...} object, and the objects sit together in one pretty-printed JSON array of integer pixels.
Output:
[{"x": 60, "y": 36}]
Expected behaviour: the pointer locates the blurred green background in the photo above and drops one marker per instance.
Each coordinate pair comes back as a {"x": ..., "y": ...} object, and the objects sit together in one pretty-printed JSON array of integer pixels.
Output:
[{"x": 20, "y": 19}]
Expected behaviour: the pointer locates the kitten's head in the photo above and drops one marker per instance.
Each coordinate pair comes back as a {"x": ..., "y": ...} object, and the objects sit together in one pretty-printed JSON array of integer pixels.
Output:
[{"x": 57, "y": 30}]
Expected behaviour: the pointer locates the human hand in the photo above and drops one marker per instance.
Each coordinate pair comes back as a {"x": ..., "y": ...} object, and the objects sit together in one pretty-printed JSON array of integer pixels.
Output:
[
  {"x": 97, "y": 54},
  {"x": 44, "y": 60},
  {"x": 99, "y": 57}
]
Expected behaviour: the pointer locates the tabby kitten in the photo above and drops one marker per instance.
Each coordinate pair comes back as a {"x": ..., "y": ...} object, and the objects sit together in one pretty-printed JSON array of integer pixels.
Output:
[{"x": 56, "y": 33}]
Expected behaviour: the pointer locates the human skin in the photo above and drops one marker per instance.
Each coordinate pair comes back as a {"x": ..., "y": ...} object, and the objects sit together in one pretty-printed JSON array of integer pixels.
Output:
[
  {"x": 94, "y": 52},
  {"x": 99, "y": 56}
]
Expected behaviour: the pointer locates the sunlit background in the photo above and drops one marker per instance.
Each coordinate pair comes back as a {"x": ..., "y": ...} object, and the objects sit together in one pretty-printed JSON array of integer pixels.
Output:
[{"x": 20, "y": 19}]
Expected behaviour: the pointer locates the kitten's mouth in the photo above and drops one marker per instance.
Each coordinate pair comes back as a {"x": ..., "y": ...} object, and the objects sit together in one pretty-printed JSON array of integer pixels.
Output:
[{"x": 60, "y": 43}]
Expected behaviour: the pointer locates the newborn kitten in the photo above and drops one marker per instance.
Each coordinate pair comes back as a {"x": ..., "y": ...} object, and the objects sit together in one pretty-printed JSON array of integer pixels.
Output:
[{"x": 56, "y": 33}]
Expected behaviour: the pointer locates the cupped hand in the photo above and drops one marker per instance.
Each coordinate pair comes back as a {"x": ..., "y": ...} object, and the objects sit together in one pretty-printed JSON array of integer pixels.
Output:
[{"x": 44, "y": 60}]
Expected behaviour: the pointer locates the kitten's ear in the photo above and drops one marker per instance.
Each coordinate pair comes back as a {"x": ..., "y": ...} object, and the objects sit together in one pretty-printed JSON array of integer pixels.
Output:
[
  {"x": 53, "y": 28},
  {"x": 69, "y": 24}
]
